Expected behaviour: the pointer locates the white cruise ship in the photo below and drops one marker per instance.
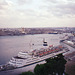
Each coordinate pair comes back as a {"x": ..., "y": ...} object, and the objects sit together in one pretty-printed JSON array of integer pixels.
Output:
[{"x": 28, "y": 58}]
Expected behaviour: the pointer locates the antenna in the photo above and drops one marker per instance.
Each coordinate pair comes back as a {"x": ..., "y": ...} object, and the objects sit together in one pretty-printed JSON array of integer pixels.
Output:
[{"x": 30, "y": 44}]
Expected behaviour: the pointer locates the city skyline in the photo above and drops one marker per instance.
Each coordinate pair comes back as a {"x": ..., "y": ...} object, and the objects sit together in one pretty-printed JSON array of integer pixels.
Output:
[{"x": 37, "y": 13}]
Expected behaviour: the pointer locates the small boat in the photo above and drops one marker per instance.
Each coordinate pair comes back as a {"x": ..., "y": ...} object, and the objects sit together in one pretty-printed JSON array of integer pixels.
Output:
[{"x": 44, "y": 43}]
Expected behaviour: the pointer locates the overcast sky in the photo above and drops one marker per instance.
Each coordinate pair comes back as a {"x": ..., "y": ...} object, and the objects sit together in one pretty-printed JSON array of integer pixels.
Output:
[{"x": 37, "y": 13}]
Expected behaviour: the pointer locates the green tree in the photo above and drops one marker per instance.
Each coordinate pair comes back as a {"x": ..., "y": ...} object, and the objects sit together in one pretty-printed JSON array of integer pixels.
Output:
[
  {"x": 27, "y": 73},
  {"x": 53, "y": 66},
  {"x": 40, "y": 70},
  {"x": 58, "y": 64}
]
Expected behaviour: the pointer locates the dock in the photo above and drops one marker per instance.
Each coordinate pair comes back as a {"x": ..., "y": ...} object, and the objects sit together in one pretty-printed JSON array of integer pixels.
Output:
[{"x": 72, "y": 45}]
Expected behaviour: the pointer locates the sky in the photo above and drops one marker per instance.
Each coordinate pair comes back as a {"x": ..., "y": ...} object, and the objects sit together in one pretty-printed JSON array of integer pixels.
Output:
[{"x": 37, "y": 13}]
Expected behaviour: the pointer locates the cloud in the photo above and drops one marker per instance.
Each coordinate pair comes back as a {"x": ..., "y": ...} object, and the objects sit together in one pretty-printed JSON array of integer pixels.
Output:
[
  {"x": 22, "y": 2},
  {"x": 66, "y": 8},
  {"x": 71, "y": 0},
  {"x": 52, "y": 1},
  {"x": 60, "y": 8},
  {"x": 33, "y": 13},
  {"x": 3, "y": 5},
  {"x": 6, "y": 7}
]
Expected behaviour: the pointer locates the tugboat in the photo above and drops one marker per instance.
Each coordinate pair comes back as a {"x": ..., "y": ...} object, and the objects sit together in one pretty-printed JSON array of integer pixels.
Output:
[{"x": 44, "y": 43}]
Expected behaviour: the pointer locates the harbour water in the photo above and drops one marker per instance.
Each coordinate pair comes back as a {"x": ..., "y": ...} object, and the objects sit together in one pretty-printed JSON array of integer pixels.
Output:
[{"x": 11, "y": 45}]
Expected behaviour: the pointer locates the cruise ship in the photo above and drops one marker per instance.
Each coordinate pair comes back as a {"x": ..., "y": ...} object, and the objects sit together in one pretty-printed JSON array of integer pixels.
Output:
[{"x": 35, "y": 56}]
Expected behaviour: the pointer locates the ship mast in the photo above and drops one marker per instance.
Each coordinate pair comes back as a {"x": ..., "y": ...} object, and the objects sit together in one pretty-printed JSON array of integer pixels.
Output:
[{"x": 31, "y": 48}]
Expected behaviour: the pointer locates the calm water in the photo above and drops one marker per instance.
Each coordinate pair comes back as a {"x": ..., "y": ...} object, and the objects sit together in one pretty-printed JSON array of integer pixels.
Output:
[{"x": 11, "y": 45}]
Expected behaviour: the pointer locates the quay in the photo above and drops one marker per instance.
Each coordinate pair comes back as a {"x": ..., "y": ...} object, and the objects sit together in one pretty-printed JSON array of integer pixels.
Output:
[{"x": 72, "y": 45}]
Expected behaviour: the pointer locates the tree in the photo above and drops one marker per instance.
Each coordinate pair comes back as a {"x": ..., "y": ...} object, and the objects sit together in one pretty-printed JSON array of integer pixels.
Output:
[
  {"x": 53, "y": 66},
  {"x": 27, "y": 73},
  {"x": 40, "y": 70},
  {"x": 58, "y": 64}
]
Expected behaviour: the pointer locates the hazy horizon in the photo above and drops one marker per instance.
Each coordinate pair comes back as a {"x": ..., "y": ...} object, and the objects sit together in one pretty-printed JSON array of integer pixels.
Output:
[{"x": 37, "y": 27}]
